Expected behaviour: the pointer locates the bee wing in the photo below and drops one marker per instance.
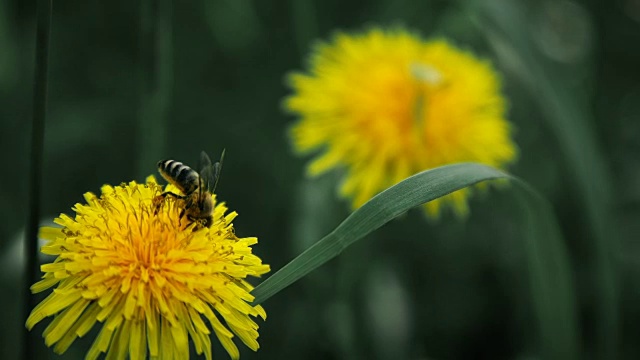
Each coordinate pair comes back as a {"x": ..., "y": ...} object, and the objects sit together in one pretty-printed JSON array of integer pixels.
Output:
[
  {"x": 217, "y": 168},
  {"x": 210, "y": 174},
  {"x": 206, "y": 171}
]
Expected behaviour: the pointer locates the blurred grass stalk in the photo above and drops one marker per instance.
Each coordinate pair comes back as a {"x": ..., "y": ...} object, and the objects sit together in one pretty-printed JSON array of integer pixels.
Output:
[
  {"x": 316, "y": 213},
  {"x": 305, "y": 23},
  {"x": 31, "y": 271},
  {"x": 551, "y": 277},
  {"x": 567, "y": 117},
  {"x": 155, "y": 81}
]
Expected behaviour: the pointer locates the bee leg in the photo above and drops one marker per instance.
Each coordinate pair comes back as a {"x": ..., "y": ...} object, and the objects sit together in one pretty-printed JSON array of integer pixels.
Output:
[
  {"x": 157, "y": 201},
  {"x": 204, "y": 222},
  {"x": 164, "y": 194},
  {"x": 193, "y": 221},
  {"x": 160, "y": 198}
]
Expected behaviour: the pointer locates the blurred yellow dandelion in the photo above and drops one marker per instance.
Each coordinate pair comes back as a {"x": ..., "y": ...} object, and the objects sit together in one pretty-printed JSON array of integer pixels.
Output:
[
  {"x": 153, "y": 279},
  {"x": 385, "y": 105}
]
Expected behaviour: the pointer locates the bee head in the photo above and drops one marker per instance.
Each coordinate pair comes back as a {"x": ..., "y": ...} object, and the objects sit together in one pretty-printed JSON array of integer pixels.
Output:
[{"x": 206, "y": 205}]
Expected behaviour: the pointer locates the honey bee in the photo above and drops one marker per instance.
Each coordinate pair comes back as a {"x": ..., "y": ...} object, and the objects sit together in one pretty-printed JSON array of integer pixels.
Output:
[{"x": 197, "y": 186}]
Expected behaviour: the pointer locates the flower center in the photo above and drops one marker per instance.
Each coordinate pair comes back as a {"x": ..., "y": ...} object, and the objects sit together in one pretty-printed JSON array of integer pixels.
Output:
[{"x": 427, "y": 74}]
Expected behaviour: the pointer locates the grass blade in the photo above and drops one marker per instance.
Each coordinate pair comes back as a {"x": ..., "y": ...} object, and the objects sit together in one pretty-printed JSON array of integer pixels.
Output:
[
  {"x": 549, "y": 271},
  {"x": 384, "y": 207},
  {"x": 31, "y": 272}
]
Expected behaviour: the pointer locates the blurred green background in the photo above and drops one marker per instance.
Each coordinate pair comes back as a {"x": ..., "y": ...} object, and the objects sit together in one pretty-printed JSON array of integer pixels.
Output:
[{"x": 415, "y": 289}]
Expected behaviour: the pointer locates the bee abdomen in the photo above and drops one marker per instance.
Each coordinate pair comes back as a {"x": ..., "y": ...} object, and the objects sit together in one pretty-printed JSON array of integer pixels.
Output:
[{"x": 179, "y": 175}]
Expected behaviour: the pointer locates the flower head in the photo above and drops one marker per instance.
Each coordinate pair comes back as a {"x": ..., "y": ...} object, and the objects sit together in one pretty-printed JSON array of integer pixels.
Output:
[
  {"x": 385, "y": 105},
  {"x": 149, "y": 275}
]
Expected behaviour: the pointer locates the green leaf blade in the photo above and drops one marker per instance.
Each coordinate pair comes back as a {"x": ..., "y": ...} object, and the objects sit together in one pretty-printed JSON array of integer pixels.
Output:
[
  {"x": 550, "y": 276},
  {"x": 411, "y": 192}
]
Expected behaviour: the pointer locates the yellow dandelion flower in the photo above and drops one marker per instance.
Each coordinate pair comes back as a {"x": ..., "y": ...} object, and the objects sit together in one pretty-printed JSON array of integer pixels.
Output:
[
  {"x": 153, "y": 279},
  {"x": 385, "y": 105}
]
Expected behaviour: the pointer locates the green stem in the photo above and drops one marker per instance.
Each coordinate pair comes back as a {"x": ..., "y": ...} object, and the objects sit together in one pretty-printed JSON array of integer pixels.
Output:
[
  {"x": 156, "y": 82},
  {"x": 43, "y": 35}
]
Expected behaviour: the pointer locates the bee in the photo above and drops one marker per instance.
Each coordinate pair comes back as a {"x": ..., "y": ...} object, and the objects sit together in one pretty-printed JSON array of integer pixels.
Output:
[{"x": 197, "y": 186}]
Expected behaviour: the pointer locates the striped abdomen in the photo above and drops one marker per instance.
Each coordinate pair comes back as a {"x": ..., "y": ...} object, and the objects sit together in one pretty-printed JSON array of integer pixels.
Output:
[{"x": 180, "y": 175}]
